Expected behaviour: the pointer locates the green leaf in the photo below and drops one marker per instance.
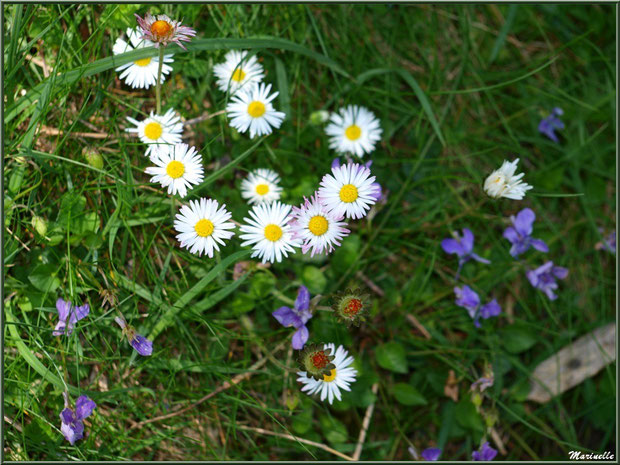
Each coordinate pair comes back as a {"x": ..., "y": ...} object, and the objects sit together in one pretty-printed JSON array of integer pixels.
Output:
[
  {"x": 334, "y": 430},
  {"x": 467, "y": 416},
  {"x": 302, "y": 422},
  {"x": 168, "y": 317},
  {"x": 501, "y": 37},
  {"x": 262, "y": 284},
  {"x": 43, "y": 277},
  {"x": 346, "y": 255},
  {"x": 517, "y": 339},
  {"x": 406, "y": 394},
  {"x": 392, "y": 356},
  {"x": 314, "y": 279}
]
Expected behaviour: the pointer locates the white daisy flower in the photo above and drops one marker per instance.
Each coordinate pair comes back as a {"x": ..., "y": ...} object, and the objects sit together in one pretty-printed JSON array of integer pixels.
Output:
[
  {"x": 261, "y": 185},
  {"x": 338, "y": 378},
  {"x": 202, "y": 225},
  {"x": 158, "y": 130},
  {"x": 504, "y": 183},
  {"x": 269, "y": 232},
  {"x": 236, "y": 72},
  {"x": 317, "y": 228},
  {"x": 140, "y": 74},
  {"x": 353, "y": 129},
  {"x": 251, "y": 108},
  {"x": 349, "y": 191},
  {"x": 178, "y": 168}
]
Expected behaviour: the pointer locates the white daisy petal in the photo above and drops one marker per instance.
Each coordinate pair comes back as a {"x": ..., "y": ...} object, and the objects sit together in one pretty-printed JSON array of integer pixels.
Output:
[
  {"x": 503, "y": 182},
  {"x": 353, "y": 129},
  {"x": 250, "y": 108},
  {"x": 349, "y": 191},
  {"x": 261, "y": 186},
  {"x": 178, "y": 168},
  {"x": 238, "y": 72},
  {"x": 157, "y": 131}
]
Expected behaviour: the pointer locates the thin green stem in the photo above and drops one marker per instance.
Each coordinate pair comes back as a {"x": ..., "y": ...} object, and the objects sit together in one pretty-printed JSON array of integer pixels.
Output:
[{"x": 158, "y": 86}]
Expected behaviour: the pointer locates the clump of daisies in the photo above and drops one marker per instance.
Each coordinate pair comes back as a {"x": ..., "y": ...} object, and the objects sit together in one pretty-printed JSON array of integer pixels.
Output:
[
  {"x": 238, "y": 71},
  {"x": 326, "y": 370},
  {"x": 251, "y": 109},
  {"x": 504, "y": 183},
  {"x": 261, "y": 185},
  {"x": 140, "y": 74},
  {"x": 158, "y": 130},
  {"x": 353, "y": 129}
]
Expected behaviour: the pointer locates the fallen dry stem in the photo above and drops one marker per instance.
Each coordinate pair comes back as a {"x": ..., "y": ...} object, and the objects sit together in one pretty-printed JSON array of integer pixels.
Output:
[{"x": 365, "y": 424}]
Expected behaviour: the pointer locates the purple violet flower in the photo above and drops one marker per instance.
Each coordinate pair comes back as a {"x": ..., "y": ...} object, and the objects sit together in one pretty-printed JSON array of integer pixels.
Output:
[
  {"x": 72, "y": 426},
  {"x": 485, "y": 454},
  {"x": 463, "y": 247},
  {"x": 608, "y": 243},
  {"x": 519, "y": 234},
  {"x": 467, "y": 298},
  {"x": 297, "y": 317},
  {"x": 431, "y": 454},
  {"x": 548, "y": 125},
  {"x": 68, "y": 315},
  {"x": 482, "y": 383},
  {"x": 141, "y": 344},
  {"x": 544, "y": 277},
  {"x": 378, "y": 194}
]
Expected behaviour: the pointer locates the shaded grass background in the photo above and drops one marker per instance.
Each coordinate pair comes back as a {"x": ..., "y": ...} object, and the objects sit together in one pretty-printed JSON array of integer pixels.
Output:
[{"x": 111, "y": 230}]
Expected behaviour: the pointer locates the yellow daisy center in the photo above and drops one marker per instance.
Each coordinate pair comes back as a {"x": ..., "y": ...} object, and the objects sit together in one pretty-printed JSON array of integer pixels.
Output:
[
  {"x": 262, "y": 189},
  {"x": 175, "y": 169},
  {"x": 348, "y": 193},
  {"x": 256, "y": 109},
  {"x": 204, "y": 228},
  {"x": 318, "y": 225},
  {"x": 161, "y": 28},
  {"x": 329, "y": 378},
  {"x": 273, "y": 232},
  {"x": 143, "y": 61},
  {"x": 153, "y": 130},
  {"x": 238, "y": 75},
  {"x": 353, "y": 132}
]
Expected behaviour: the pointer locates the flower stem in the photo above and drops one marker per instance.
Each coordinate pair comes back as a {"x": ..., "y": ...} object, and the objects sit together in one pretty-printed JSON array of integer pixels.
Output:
[{"x": 160, "y": 65}]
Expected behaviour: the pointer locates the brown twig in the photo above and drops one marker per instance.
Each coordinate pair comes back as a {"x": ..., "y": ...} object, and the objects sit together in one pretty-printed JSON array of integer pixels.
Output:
[
  {"x": 47, "y": 131},
  {"x": 376, "y": 289},
  {"x": 498, "y": 441},
  {"x": 298, "y": 439},
  {"x": 365, "y": 424},
  {"x": 17, "y": 239},
  {"x": 236, "y": 380},
  {"x": 415, "y": 322},
  {"x": 204, "y": 117}
]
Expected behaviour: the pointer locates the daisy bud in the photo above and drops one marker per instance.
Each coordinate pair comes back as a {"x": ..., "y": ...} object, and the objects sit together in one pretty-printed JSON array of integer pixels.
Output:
[
  {"x": 93, "y": 157},
  {"x": 317, "y": 360},
  {"x": 319, "y": 117},
  {"x": 40, "y": 225},
  {"x": 351, "y": 306}
]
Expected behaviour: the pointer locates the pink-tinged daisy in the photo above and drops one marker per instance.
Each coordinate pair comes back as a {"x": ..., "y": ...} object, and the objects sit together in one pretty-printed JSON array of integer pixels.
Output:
[
  {"x": 317, "y": 227},
  {"x": 349, "y": 191},
  {"x": 162, "y": 30}
]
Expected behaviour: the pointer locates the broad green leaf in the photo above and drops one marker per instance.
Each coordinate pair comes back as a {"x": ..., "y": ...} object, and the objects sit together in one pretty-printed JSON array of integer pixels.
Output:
[
  {"x": 43, "y": 277},
  {"x": 314, "y": 279},
  {"x": 406, "y": 394},
  {"x": 392, "y": 356},
  {"x": 467, "y": 416},
  {"x": 516, "y": 340}
]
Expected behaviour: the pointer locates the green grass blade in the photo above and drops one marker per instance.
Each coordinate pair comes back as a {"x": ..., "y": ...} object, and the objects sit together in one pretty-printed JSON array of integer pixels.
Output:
[
  {"x": 168, "y": 317},
  {"x": 501, "y": 38}
]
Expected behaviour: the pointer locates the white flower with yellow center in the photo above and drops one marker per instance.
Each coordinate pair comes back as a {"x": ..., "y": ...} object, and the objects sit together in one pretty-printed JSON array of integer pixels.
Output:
[
  {"x": 317, "y": 228},
  {"x": 260, "y": 186},
  {"x": 178, "y": 168},
  {"x": 269, "y": 232},
  {"x": 504, "y": 183},
  {"x": 349, "y": 191},
  {"x": 158, "y": 130},
  {"x": 251, "y": 109},
  {"x": 238, "y": 72},
  {"x": 339, "y": 377},
  {"x": 202, "y": 225},
  {"x": 140, "y": 74},
  {"x": 353, "y": 129}
]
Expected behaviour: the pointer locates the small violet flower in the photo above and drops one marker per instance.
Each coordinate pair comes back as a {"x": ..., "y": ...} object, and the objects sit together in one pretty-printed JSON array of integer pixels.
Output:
[
  {"x": 485, "y": 454},
  {"x": 548, "y": 125},
  {"x": 142, "y": 345},
  {"x": 608, "y": 243},
  {"x": 544, "y": 277},
  {"x": 297, "y": 317},
  {"x": 72, "y": 426},
  {"x": 431, "y": 454},
  {"x": 519, "y": 234},
  {"x": 378, "y": 193},
  {"x": 463, "y": 247},
  {"x": 68, "y": 315},
  {"x": 467, "y": 298}
]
